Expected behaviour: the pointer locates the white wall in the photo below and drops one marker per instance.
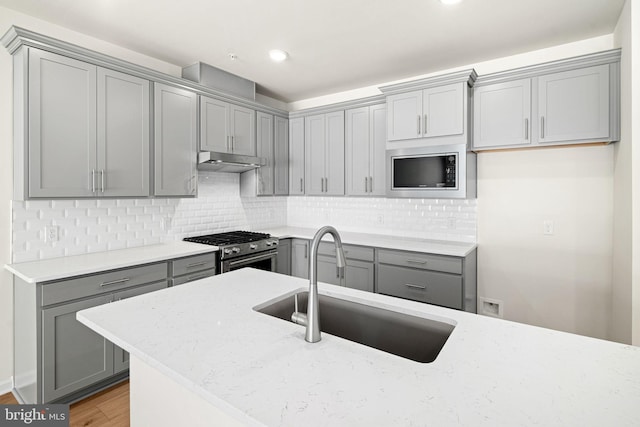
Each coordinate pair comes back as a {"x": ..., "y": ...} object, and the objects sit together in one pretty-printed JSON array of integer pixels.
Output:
[
  {"x": 635, "y": 178},
  {"x": 621, "y": 309}
]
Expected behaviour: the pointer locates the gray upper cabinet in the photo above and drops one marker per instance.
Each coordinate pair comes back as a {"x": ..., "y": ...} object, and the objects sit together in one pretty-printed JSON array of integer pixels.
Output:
[
  {"x": 264, "y": 140},
  {"x": 432, "y": 112},
  {"x": 62, "y": 126},
  {"x": 574, "y": 105},
  {"x": 88, "y": 130},
  {"x": 296, "y": 156},
  {"x": 281, "y": 156},
  {"x": 573, "y": 101},
  {"x": 272, "y": 140},
  {"x": 502, "y": 114},
  {"x": 324, "y": 154},
  {"x": 227, "y": 128},
  {"x": 175, "y": 143},
  {"x": 365, "y": 151},
  {"x": 123, "y": 134}
]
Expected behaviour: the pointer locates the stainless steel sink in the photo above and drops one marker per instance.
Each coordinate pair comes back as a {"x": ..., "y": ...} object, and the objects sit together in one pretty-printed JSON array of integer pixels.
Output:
[{"x": 401, "y": 334}]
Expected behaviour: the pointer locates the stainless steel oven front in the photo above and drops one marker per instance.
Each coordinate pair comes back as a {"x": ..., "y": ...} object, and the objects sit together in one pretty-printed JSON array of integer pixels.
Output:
[{"x": 266, "y": 260}]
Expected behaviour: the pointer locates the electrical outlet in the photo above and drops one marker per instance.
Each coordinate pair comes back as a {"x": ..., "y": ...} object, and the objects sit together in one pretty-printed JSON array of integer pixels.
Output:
[
  {"x": 380, "y": 219},
  {"x": 547, "y": 227},
  {"x": 51, "y": 233},
  {"x": 491, "y": 307},
  {"x": 451, "y": 223}
]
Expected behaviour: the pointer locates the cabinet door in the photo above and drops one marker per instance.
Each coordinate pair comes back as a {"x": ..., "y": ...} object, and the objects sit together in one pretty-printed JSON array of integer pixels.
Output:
[
  {"x": 62, "y": 126},
  {"x": 121, "y": 357},
  {"x": 123, "y": 134},
  {"x": 378, "y": 138},
  {"x": 214, "y": 125},
  {"x": 334, "y": 157},
  {"x": 296, "y": 156},
  {"x": 175, "y": 141},
  {"x": 314, "y": 165},
  {"x": 74, "y": 356},
  {"x": 283, "y": 264},
  {"x": 300, "y": 258},
  {"x": 442, "y": 110},
  {"x": 281, "y": 157},
  {"x": 327, "y": 271},
  {"x": 357, "y": 274},
  {"x": 574, "y": 105},
  {"x": 404, "y": 116},
  {"x": 357, "y": 147},
  {"x": 243, "y": 131},
  {"x": 502, "y": 114},
  {"x": 265, "y": 150}
]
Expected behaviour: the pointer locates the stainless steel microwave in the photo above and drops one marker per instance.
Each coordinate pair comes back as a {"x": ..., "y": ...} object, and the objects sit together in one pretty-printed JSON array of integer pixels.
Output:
[{"x": 441, "y": 172}]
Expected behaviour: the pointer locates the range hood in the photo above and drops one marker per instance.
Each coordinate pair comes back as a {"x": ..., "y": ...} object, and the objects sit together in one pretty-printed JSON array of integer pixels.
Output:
[{"x": 225, "y": 162}]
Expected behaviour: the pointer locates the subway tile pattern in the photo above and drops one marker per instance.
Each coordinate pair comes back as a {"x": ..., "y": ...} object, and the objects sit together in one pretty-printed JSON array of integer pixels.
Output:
[
  {"x": 98, "y": 225},
  {"x": 439, "y": 219}
]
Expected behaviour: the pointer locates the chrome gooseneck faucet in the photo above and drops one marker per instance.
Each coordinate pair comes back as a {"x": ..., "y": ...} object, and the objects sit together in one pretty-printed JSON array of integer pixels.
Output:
[{"x": 312, "y": 320}]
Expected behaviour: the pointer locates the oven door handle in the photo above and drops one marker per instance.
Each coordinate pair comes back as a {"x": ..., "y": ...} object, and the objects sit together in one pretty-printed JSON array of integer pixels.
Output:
[{"x": 251, "y": 259}]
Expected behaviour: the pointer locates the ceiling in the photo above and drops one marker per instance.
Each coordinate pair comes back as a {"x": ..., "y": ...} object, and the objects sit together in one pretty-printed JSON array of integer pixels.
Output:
[{"x": 334, "y": 45}]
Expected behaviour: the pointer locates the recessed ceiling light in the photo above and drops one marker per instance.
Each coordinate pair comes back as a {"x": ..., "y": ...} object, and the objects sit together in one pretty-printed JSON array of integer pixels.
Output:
[
  {"x": 450, "y": 1},
  {"x": 278, "y": 55}
]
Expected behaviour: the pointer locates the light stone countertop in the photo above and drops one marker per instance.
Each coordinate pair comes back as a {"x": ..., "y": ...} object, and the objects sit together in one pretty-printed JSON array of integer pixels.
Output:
[
  {"x": 440, "y": 247},
  {"x": 259, "y": 370},
  {"x": 76, "y": 265}
]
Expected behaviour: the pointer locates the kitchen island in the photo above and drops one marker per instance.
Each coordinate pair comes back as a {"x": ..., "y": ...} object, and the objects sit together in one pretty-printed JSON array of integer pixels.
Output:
[{"x": 202, "y": 355}]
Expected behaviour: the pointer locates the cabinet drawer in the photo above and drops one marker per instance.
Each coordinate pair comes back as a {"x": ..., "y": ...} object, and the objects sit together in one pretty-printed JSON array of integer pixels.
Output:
[
  {"x": 118, "y": 296},
  {"x": 193, "y": 264},
  {"x": 350, "y": 251},
  {"x": 195, "y": 276},
  {"x": 420, "y": 285},
  {"x": 442, "y": 263},
  {"x": 81, "y": 287}
]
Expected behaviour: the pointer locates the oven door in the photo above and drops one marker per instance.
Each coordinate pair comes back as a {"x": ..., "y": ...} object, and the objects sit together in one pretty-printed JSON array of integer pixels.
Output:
[{"x": 262, "y": 261}]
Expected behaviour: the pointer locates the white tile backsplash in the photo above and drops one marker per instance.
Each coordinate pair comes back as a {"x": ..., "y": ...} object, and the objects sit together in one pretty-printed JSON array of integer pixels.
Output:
[
  {"x": 99, "y": 225},
  {"x": 440, "y": 219}
]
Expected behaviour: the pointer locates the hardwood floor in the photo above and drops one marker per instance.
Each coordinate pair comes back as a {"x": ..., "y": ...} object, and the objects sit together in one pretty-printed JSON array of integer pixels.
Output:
[{"x": 109, "y": 408}]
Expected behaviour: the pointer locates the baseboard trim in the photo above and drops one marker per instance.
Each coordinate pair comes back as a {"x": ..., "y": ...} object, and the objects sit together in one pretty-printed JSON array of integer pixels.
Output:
[{"x": 6, "y": 386}]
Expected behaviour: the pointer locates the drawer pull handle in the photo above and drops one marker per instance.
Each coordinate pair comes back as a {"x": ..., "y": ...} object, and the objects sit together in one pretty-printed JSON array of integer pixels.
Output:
[
  {"x": 416, "y": 261},
  {"x": 114, "y": 282},
  {"x": 197, "y": 276},
  {"x": 196, "y": 264},
  {"x": 422, "y": 288}
]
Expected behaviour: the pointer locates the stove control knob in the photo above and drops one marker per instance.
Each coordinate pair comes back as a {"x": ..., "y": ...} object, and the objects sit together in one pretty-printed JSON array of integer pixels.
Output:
[
  {"x": 235, "y": 250},
  {"x": 227, "y": 251},
  {"x": 253, "y": 246},
  {"x": 275, "y": 243}
]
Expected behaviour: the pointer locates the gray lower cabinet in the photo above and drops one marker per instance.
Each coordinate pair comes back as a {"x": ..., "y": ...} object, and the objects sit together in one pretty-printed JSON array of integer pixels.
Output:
[
  {"x": 300, "y": 258},
  {"x": 56, "y": 358},
  {"x": 283, "y": 262},
  {"x": 359, "y": 272},
  {"x": 188, "y": 269},
  {"x": 175, "y": 141},
  {"x": 435, "y": 279},
  {"x": 74, "y": 356}
]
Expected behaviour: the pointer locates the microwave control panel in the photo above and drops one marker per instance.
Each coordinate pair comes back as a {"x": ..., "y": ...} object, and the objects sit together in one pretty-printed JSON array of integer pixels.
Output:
[{"x": 450, "y": 171}]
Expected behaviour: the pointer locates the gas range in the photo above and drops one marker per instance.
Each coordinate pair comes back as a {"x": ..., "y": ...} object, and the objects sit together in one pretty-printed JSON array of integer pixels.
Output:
[{"x": 235, "y": 244}]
